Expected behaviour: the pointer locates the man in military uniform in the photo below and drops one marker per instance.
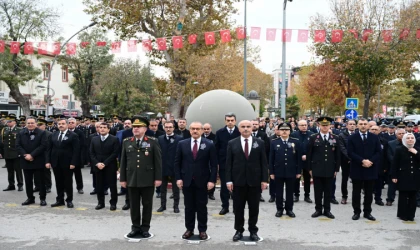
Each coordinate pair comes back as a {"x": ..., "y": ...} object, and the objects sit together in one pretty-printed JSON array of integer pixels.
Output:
[
  {"x": 323, "y": 158},
  {"x": 10, "y": 154},
  {"x": 116, "y": 125},
  {"x": 51, "y": 126},
  {"x": 140, "y": 171},
  {"x": 285, "y": 165}
]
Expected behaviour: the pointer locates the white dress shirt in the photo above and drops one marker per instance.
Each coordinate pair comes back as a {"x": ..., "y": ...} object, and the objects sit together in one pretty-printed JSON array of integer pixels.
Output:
[
  {"x": 322, "y": 135},
  {"x": 198, "y": 143},
  {"x": 64, "y": 134},
  {"x": 249, "y": 144}
]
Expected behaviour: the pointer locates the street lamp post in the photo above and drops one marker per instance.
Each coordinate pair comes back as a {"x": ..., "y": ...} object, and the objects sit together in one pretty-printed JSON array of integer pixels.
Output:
[
  {"x": 245, "y": 52},
  {"x": 53, "y": 62},
  {"x": 283, "y": 70}
]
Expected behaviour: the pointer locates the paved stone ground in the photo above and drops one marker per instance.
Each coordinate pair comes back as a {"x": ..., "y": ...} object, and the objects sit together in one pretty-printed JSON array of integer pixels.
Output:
[{"x": 83, "y": 227}]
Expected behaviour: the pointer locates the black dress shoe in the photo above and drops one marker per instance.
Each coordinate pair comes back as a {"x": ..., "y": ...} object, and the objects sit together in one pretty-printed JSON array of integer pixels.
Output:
[
  {"x": 126, "y": 206},
  {"x": 9, "y": 188},
  {"x": 161, "y": 209},
  {"x": 238, "y": 235},
  {"x": 80, "y": 191},
  {"x": 211, "y": 197},
  {"x": 99, "y": 206},
  {"x": 113, "y": 207},
  {"x": 187, "y": 234},
  {"x": 48, "y": 190},
  {"x": 254, "y": 237},
  {"x": 158, "y": 195},
  {"x": 146, "y": 235},
  {"x": 329, "y": 215},
  {"x": 355, "y": 217},
  {"x": 389, "y": 203},
  {"x": 20, "y": 189},
  {"x": 279, "y": 213},
  {"x": 308, "y": 200},
  {"x": 93, "y": 192},
  {"x": 224, "y": 211},
  {"x": 272, "y": 199},
  {"x": 121, "y": 193},
  {"x": 296, "y": 199},
  {"x": 36, "y": 189},
  {"x": 176, "y": 210},
  {"x": 344, "y": 201},
  {"x": 57, "y": 204},
  {"x": 170, "y": 197},
  {"x": 43, "y": 203},
  {"x": 203, "y": 236},
  {"x": 134, "y": 233},
  {"x": 262, "y": 199},
  {"x": 290, "y": 214},
  {"x": 334, "y": 201},
  {"x": 316, "y": 214},
  {"x": 369, "y": 217},
  {"x": 28, "y": 202},
  {"x": 70, "y": 204},
  {"x": 380, "y": 203},
  {"x": 411, "y": 219}
]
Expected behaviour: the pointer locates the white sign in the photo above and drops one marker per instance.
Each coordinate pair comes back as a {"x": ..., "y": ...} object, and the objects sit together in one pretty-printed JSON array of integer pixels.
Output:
[{"x": 4, "y": 97}]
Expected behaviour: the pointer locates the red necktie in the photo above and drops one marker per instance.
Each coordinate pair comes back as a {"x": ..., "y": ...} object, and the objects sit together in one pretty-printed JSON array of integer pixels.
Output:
[
  {"x": 195, "y": 149},
  {"x": 246, "y": 149}
]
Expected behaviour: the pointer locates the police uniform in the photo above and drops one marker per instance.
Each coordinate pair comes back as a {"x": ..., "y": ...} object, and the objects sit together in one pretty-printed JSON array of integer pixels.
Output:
[
  {"x": 141, "y": 166},
  {"x": 10, "y": 154}
]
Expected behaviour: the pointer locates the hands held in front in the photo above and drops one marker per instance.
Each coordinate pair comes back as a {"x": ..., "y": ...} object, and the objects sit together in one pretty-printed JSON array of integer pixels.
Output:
[
  {"x": 394, "y": 180},
  {"x": 412, "y": 150},
  {"x": 158, "y": 183},
  {"x": 28, "y": 157},
  {"x": 123, "y": 184},
  {"x": 367, "y": 163},
  {"x": 48, "y": 165},
  {"x": 264, "y": 185},
  {"x": 179, "y": 183},
  {"x": 210, "y": 185},
  {"x": 230, "y": 187},
  {"x": 100, "y": 165}
]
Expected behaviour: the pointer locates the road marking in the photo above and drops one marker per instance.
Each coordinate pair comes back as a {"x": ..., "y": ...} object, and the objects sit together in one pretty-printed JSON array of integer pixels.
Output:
[
  {"x": 285, "y": 218},
  {"x": 409, "y": 222},
  {"x": 325, "y": 219},
  {"x": 157, "y": 213},
  {"x": 81, "y": 209},
  {"x": 34, "y": 206},
  {"x": 11, "y": 205},
  {"x": 58, "y": 208},
  {"x": 218, "y": 215},
  {"x": 372, "y": 222}
]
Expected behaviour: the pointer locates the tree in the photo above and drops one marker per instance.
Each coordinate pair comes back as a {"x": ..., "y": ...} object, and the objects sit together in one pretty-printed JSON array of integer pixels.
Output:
[
  {"x": 415, "y": 95},
  {"x": 87, "y": 65},
  {"x": 23, "y": 20},
  {"x": 367, "y": 61},
  {"x": 293, "y": 108},
  {"x": 162, "y": 19}
]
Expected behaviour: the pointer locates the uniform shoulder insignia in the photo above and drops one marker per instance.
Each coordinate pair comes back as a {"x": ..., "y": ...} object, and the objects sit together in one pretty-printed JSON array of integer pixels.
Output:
[
  {"x": 151, "y": 137},
  {"x": 294, "y": 138},
  {"x": 314, "y": 134},
  {"x": 275, "y": 138},
  {"x": 128, "y": 138}
]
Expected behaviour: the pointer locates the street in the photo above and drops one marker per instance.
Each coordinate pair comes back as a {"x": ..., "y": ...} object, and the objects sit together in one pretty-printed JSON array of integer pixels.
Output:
[{"x": 83, "y": 227}]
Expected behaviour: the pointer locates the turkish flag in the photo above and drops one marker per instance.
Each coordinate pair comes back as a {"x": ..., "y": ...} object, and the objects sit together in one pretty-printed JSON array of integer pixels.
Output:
[
  {"x": 240, "y": 33},
  {"x": 287, "y": 35},
  {"x": 71, "y": 49},
  {"x": 418, "y": 34},
  {"x": 255, "y": 33},
  {"x": 209, "y": 37},
  {"x": 14, "y": 47},
  {"x": 2, "y": 45},
  {"x": 225, "y": 35},
  {"x": 270, "y": 34},
  {"x": 132, "y": 46},
  {"x": 387, "y": 35},
  {"x": 42, "y": 48},
  {"x": 161, "y": 43},
  {"x": 28, "y": 48},
  {"x": 147, "y": 45},
  {"x": 101, "y": 44},
  {"x": 319, "y": 36},
  {"x": 303, "y": 36},
  {"x": 56, "y": 48},
  {"x": 366, "y": 34},
  {"x": 177, "y": 42},
  {"x": 116, "y": 47},
  {"x": 355, "y": 33},
  {"x": 84, "y": 44},
  {"x": 336, "y": 36},
  {"x": 404, "y": 34},
  {"x": 192, "y": 39}
]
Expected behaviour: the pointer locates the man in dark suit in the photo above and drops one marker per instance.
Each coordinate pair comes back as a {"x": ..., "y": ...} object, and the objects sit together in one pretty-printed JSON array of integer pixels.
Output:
[
  {"x": 116, "y": 125},
  {"x": 260, "y": 134},
  {"x": 93, "y": 173},
  {"x": 168, "y": 144},
  {"x": 141, "y": 172},
  {"x": 31, "y": 144},
  {"x": 196, "y": 173},
  {"x": 323, "y": 156},
  {"x": 364, "y": 150},
  {"x": 78, "y": 170},
  {"x": 42, "y": 125},
  {"x": 63, "y": 156},
  {"x": 272, "y": 186},
  {"x": 104, "y": 150},
  {"x": 182, "y": 129},
  {"x": 208, "y": 134},
  {"x": 246, "y": 176},
  {"x": 390, "y": 152},
  {"x": 153, "y": 129},
  {"x": 223, "y": 136}
]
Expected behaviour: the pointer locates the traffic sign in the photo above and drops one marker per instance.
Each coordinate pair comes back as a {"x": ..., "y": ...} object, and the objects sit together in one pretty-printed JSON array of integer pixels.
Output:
[
  {"x": 352, "y": 103},
  {"x": 351, "y": 114}
]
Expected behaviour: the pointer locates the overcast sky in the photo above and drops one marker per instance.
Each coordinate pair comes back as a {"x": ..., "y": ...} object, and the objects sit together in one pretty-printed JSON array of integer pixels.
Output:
[{"x": 260, "y": 13}]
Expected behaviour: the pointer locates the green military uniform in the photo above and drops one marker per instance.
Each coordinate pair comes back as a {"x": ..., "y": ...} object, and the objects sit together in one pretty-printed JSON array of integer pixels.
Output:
[
  {"x": 10, "y": 154},
  {"x": 141, "y": 166}
]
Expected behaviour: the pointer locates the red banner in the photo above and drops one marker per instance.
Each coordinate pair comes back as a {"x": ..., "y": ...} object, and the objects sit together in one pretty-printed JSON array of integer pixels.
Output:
[
  {"x": 319, "y": 36},
  {"x": 132, "y": 46},
  {"x": 14, "y": 47},
  {"x": 336, "y": 36},
  {"x": 303, "y": 36},
  {"x": 28, "y": 48},
  {"x": 240, "y": 33},
  {"x": 387, "y": 35},
  {"x": 271, "y": 34},
  {"x": 225, "y": 36},
  {"x": 42, "y": 48},
  {"x": 147, "y": 45},
  {"x": 366, "y": 34},
  {"x": 71, "y": 48},
  {"x": 209, "y": 37},
  {"x": 2, "y": 45},
  {"x": 116, "y": 47},
  {"x": 177, "y": 42},
  {"x": 192, "y": 39},
  {"x": 161, "y": 43},
  {"x": 287, "y": 35},
  {"x": 56, "y": 48},
  {"x": 255, "y": 33}
]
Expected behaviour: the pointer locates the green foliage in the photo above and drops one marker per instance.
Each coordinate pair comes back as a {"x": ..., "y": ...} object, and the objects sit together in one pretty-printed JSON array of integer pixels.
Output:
[
  {"x": 414, "y": 105},
  {"x": 293, "y": 106}
]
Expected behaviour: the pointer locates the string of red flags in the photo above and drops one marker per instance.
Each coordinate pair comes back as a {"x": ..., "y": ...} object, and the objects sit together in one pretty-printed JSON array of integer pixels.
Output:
[{"x": 210, "y": 38}]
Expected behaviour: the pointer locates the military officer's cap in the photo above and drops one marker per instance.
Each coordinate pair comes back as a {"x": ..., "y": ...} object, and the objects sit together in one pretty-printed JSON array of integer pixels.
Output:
[
  {"x": 383, "y": 125},
  {"x": 41, "y": 122},
  {"x": 42, "y": 116},
  {"x": 11, "y": 117},
  {"x": 391, "y": 126},
  {"x": 49, "y": 122},
  {"x": 324, "y": 120},
  {"x": 115, "y": 116},
  {"x": 284, "y": 126},
  {"x": 93, "y": 119},
  {"x": 401, "y": 124},
  {"x": 22, "y": 118},
  {"x": 22, "y": 122},
  {"x": 51, "y": 116},
  {"x": 78, "y": 118},
  {"x": 410, "y": 124},
  {"x": 100, "y": 116},
  {"x": 88, "y": 118},
  {"x": 140, "y": 122},
  {"x": 3, "y": 115}
]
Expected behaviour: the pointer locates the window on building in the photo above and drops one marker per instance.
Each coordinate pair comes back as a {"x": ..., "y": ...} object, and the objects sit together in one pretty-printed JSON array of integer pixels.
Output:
[
  {"x": 65, "y": 97},
  {"x": 65, "y": 74},
  {"x": 46, "y": 67}
]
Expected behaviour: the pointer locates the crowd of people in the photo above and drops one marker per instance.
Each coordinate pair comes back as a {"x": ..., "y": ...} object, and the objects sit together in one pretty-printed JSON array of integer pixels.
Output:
[{"x": 246, "y": 156}]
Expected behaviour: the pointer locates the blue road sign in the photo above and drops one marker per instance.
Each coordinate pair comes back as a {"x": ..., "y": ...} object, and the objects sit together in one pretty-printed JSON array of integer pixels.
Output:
[
  {"x": 351, "y": 114},
  {"x": 352, "y": 103}
]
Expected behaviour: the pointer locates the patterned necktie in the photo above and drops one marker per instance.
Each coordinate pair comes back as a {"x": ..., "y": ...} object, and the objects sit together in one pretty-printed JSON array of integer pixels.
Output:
[
  {"x": 102, "y": 138},
  {"x": 230, "y": 131},
  {"x": 195, "y": 149},
  {"x": 246, "y": 149}
]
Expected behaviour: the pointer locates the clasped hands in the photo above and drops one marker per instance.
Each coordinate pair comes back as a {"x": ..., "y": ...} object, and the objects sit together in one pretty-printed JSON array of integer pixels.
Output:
[
  {"x": 263, "y": 186},
  {"x": 367, "y": 163},
  {"x": 28, "y": 157},
  {"x": 180, "y": 184}
]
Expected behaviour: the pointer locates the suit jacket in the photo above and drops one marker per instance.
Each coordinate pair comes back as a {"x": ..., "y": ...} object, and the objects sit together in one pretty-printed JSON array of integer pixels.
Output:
[
  {"x": 406, "y": 169},
  {"x": 323, "y": 159},
  {"x": 8, "y": 142},
  {"x": 203, "y": 169},
  {"x": 81, "y": 137},
  {"x": 263, "y": 136},
  {"x": 104, "y": 151},
  {"x": 211, "y": 137},
  {"x": 168, "y": 148},
  {"x": 390, "y": 150},
  {"x": 285, "y": 161},
  {"x": 65, "y": 153},
  {"x": 358, "y": 151},
  {"x": 184, "y": 133},
  {"x": 221, "y": 142},
  {"x": 35, "y": 145},
  {"x": 154, "y": 134},
  {"x": 246, "y": 172}
]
